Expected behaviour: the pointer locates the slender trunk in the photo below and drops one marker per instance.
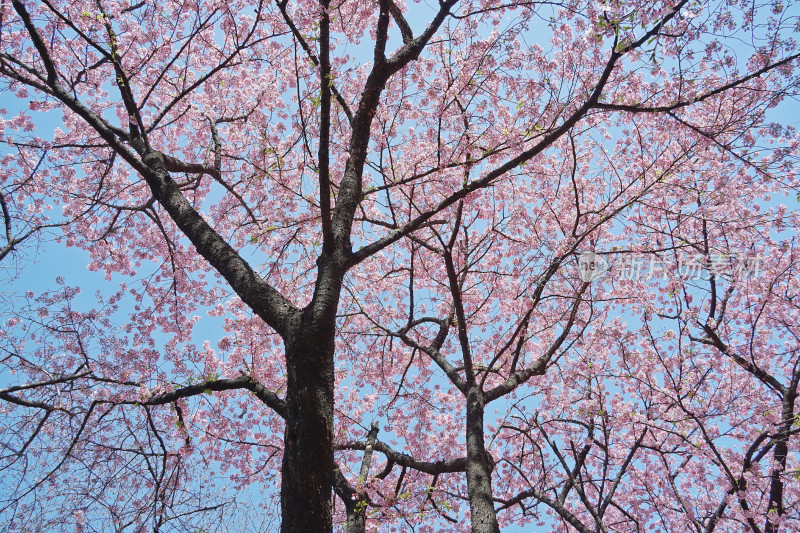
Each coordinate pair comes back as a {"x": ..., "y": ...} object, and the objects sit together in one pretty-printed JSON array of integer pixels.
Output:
[
  {"x": 307, "y": 472},
  {"x": 775, "y": 508},
  {"x": 357, "y": 521},
  {"x": 479, "y": 468},
  {"x": 355, "y": 504}
]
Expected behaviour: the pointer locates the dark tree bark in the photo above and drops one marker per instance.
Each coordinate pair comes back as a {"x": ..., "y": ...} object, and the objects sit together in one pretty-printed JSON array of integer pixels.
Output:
[
  {"x": 479, "y": 468},
  {"x": 776, "y": 508},
  {"x": 307, "y": 468}
]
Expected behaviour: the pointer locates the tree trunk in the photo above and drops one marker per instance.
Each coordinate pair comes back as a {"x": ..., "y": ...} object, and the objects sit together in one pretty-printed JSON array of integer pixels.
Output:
[
  {"x": 357, "y": 521},
  {"x": 307, "y": 472},
  {"x": 775, "y": 508},
  {"x": 479, "y": 468}
]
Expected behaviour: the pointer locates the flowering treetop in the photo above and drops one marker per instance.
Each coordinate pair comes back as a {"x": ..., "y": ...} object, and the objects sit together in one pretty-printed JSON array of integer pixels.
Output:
[{"x": 392, "y": 208}]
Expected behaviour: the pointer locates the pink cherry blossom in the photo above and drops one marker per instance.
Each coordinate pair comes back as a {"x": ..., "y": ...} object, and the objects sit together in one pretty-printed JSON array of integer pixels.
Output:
[{"x": 342, "y": 247}]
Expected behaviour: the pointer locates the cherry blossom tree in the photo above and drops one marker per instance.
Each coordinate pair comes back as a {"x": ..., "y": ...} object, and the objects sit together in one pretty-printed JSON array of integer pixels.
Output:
[{"x": 460, "y": 265}]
